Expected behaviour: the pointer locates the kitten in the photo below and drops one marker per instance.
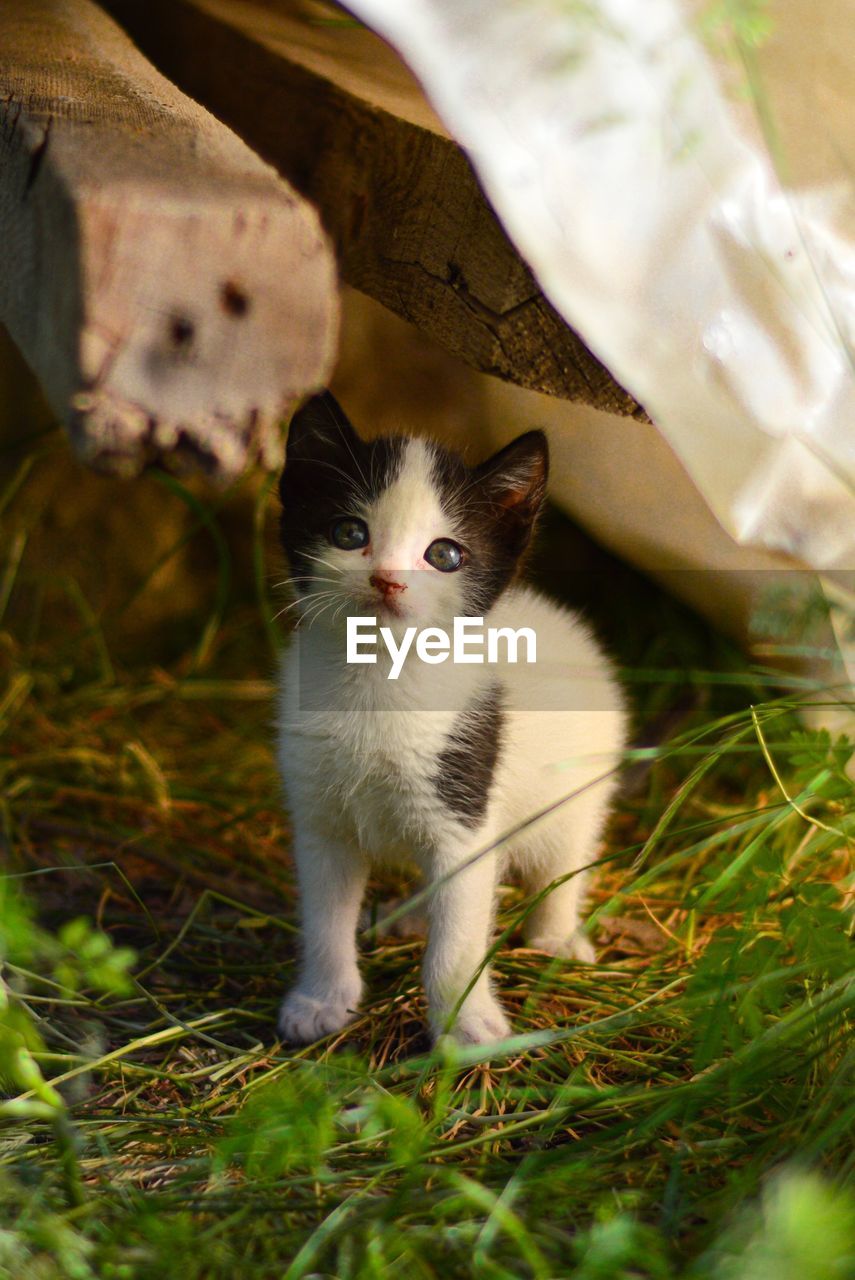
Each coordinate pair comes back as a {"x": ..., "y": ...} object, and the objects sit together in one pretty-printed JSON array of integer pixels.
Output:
[{"x": 442, "y": 762}]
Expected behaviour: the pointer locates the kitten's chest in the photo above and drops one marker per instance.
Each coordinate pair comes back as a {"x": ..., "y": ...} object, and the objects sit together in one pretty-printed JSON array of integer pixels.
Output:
[{"x": 368, "y": 775}]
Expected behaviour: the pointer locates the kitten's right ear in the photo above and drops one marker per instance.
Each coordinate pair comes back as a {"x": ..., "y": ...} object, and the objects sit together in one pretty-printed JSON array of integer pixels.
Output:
[{"x": 318, "y": 429}]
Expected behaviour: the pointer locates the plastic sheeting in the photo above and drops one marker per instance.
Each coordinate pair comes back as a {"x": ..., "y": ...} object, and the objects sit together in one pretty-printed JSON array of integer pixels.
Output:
[{"x": 633, "y": 169}]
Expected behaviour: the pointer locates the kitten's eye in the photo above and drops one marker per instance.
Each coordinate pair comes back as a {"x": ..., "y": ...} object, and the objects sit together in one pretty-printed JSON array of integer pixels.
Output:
[
  {"x": 444, "y": 555},
  {"x": 349, "y": 533}
]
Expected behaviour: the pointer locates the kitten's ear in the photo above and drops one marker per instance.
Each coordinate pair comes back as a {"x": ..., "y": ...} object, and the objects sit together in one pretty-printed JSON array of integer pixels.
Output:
[
  {"x": 514, "y": 479},
  {"x": 319, "y": 428}
]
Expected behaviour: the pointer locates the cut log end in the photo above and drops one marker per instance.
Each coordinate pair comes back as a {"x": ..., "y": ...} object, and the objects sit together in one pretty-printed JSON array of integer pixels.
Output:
[
  {"x": 121, "y": 438},
  {"x": 173, "y": 294},
  {"x": 212, "y": 348}
]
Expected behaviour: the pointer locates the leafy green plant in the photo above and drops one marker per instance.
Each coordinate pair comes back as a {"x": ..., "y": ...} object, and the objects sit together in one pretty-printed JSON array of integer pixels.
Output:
[
  {"x": 802, "y": 1229},
  {"x": 80, "y": 957}
]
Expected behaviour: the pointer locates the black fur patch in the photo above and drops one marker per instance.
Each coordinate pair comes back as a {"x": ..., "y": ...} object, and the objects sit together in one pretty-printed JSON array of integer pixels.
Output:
[
  {"x": 328, "y": 472},
  {"x": 467, "y": 762}
]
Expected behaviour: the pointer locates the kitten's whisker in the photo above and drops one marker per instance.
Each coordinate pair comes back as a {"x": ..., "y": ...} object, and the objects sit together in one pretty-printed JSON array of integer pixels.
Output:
[
  {"x": 316, "y": 597},
  {"x": 300, "y": 577},
  {"x": 312, "y": 618},
  {"x": 337, "y": 613},
  {"x": 286, "y": 608},
  {"x": 317, "y": 600},
  {"x": 338, "y": 424},
  {"x": 328, "y": 564},
  {"x": 354, "y": 487}
]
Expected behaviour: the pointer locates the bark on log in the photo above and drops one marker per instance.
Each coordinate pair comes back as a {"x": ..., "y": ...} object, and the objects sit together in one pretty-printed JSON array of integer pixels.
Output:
[
  {"x": 171, "y": 292},
  {"x": 335, "y": 109}
]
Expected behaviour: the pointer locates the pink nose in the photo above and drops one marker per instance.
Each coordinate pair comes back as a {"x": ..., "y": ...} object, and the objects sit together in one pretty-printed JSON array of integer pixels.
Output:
[{"x": 380, "y": 582}]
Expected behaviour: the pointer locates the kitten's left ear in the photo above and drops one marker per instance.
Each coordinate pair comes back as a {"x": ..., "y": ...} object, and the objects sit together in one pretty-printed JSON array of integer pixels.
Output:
[
  {"x": 514, "y": 479},
  {"x": 320, "y": 427}
]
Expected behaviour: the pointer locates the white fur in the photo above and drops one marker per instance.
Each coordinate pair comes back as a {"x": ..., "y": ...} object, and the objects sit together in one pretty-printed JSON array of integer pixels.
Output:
[{"x": 358, "y": 755}]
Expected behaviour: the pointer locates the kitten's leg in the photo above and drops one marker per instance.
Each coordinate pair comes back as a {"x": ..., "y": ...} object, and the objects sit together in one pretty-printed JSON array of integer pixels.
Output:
[
  {"x": 554, "y": 925},
  {"x": 331, "y": 880},
  {"x": 460, "y": 913},
  {"x": 564, "y": 849}
]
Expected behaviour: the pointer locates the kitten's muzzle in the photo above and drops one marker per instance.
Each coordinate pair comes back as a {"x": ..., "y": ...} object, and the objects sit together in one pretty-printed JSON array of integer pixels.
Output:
[{"x": 387, "y": 587}]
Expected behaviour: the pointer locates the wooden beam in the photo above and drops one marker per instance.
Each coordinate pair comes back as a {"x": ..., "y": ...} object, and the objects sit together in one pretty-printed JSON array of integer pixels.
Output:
[
  {"x": 335, "y": 109},
  {"x": 171, "y": 292}
]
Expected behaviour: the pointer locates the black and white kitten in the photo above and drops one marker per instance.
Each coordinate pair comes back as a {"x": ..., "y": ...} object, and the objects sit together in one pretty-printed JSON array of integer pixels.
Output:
[{"x": 441, "y": 762}]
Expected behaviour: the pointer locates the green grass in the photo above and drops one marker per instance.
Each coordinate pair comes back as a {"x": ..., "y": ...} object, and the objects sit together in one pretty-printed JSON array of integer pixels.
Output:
[{"x": 685, "y": 1107}]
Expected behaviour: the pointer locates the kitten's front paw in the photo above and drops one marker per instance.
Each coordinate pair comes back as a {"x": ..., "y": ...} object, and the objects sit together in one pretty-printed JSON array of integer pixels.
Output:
[
  {"x": 304, "y": 1019},
  {"x": 577, "y": 946},
  {"x": 483, "y": 1023}
]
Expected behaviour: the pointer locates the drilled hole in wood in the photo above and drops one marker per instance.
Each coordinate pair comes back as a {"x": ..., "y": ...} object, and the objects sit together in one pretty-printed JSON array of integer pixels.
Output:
[
  {"x": 181, "y": 330},
  {"x": 234, "y": 300}
]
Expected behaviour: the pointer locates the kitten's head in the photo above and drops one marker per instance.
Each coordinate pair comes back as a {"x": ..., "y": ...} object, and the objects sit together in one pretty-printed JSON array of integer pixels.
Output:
[{"x": 400, "y": 528}]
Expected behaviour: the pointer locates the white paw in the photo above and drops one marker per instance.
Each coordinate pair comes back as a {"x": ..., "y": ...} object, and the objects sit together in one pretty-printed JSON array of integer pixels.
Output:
[
  {"x": 304, "y": 1019},
  {"x": 576, "y": 946},
  {"x": 481, "y": 1023}
]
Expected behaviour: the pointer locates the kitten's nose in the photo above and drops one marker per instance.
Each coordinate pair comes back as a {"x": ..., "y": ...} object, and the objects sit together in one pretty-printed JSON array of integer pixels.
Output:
[{"x": 383, "y": 583}]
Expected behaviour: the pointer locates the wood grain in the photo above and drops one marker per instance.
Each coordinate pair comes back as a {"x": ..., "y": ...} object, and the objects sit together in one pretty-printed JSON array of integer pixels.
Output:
[
  {"x": 335, "y": 109},
  {"x": 170, "y": 290}
]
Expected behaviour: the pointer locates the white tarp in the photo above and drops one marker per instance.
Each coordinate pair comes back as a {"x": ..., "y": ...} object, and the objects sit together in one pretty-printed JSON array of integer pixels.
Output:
[{"x": 633, "y": 170}]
